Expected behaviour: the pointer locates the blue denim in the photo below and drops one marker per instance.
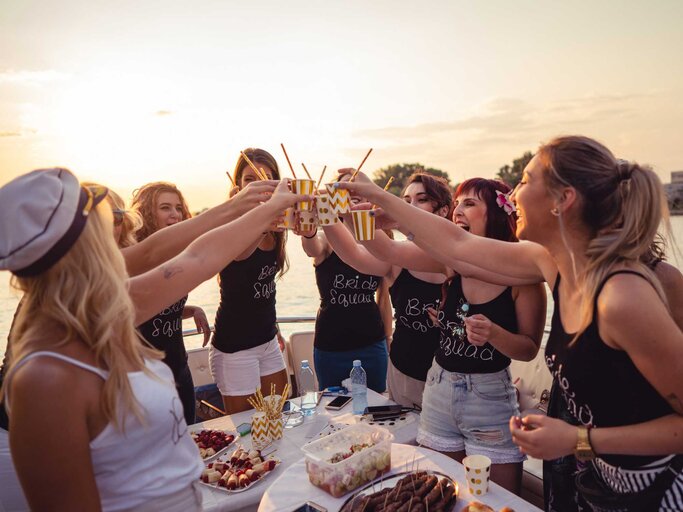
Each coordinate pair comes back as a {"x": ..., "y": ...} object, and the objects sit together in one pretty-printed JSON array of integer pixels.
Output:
[
  {"x": 331, "y": 368},
  {"x": 469, "y": 412}
]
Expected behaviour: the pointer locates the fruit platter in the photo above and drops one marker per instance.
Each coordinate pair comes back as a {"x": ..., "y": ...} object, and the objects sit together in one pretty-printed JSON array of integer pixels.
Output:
[
  {"x": 238, "y": 471},
  {"x": 349, "y": 458},
  {"x": 417, "y": 491},
  {"x": 212, "y": 443}
]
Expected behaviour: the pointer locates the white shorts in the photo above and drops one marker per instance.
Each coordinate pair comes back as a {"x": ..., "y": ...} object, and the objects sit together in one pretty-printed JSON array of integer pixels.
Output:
[{"x": 239, "y": 374}]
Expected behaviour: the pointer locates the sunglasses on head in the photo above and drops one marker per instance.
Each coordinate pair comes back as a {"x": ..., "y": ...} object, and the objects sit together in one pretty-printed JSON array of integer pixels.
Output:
[
  {"x": 118, "y": 216},
  {"x": 95, "y": 194}
]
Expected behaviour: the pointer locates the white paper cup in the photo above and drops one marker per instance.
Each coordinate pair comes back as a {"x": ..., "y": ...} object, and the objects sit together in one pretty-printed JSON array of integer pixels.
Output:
[
  {"x": 363, "y": 225},
  {"x": 303, "y": 186},
  {"x": 478, "y": 473},
  {"x": 326, "y": 214},
  {"x": 340, "y": 199},
  {"x": 308, "y": 220}
]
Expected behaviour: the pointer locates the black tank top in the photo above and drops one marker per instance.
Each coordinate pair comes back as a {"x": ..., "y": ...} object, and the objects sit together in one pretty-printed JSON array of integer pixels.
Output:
[
  {"x": 246, "y": 315},
  {"x": 600, "y": 385},
  {"x": 165, "y": 332},
  {"x": 455, "y": 352},
  {"x": 348, "y": 317},
  {"x": 415, "y": 338}
]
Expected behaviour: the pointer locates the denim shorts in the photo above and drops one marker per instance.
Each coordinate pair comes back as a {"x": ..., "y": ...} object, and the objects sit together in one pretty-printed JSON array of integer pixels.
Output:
[{"x": 469, "y": 412}]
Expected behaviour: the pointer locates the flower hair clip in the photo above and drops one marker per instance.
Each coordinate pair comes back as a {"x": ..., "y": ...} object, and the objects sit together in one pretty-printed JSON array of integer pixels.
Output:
[{"x": 503, "y": 200}]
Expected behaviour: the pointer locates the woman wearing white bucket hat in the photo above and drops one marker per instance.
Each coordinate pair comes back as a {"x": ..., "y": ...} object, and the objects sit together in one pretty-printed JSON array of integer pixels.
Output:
[{"x": 122, "y": 442}]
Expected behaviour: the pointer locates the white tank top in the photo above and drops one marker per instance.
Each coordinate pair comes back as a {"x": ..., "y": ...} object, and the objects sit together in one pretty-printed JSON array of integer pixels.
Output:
[{"x": 141, "y": 463}]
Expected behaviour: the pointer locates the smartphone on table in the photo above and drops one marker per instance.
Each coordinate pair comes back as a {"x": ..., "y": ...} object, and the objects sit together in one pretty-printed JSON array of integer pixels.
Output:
[{"x": 338, "y": 402}]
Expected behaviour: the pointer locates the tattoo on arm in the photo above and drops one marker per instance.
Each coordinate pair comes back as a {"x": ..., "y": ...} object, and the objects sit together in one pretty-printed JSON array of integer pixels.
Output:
[
  {"x": 169, "y": 272},
  {"x": 675, "y": 402}
]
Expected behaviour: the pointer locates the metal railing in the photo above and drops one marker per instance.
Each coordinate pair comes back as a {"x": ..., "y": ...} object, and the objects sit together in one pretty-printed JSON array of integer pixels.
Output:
[
  {"x": 310, "y": 320},
  {"x": 280, "y": 320}
]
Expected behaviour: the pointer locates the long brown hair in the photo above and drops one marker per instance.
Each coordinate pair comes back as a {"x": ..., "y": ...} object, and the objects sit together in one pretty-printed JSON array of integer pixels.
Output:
[
  {"x": 622, "y": 204},
  {"x": 262, "y": 157},
  {"x": 145, "y": 202},
  {"x": 436, "y": 189}
]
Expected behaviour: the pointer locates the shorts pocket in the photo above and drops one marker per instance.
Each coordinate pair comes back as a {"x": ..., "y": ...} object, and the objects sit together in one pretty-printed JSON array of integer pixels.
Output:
[
  {"x": 495, "y": 390},
  {"x": 431, "y": 376}
]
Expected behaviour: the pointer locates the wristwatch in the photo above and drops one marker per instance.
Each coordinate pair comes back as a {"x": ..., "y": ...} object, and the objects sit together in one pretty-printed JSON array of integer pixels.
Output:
[{"x": 583, "y": 451}]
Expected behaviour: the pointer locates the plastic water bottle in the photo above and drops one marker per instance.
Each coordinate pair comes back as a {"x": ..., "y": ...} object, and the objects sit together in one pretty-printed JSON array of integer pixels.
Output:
[
  {"x": 359, "y": 388},
  {"x": 309, "y": 395}
]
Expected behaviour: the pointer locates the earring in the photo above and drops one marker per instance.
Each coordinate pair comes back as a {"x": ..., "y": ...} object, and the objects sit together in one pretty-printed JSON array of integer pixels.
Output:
[{"x": 555, "y": 212}]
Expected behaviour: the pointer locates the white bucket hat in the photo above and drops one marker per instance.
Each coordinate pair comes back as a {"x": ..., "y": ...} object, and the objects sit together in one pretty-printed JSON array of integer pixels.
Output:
[{"x": 43, "y": 214}]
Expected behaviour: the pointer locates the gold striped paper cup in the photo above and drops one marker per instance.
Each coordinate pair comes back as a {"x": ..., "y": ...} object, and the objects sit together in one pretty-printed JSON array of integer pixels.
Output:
[
  {"x": 326, "y": 214},
  {"x": 340, "y": 199},
  {"x": 363, "y": 225},
  {"x": 305, "y": 187}
]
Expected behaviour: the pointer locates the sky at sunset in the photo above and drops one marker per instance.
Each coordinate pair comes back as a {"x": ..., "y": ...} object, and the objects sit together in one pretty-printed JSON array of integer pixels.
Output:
[{"x": 126, "y": 92}]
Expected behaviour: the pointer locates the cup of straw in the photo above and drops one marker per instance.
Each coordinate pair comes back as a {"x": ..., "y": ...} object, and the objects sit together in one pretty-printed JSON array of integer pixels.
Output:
[
  {"x": 340, "y": 199},
  {"x": 305, "y": 187},
  {"x": 363, "y": 225},
  {"x": 478, "y": 473},
  {"x": 274, "y": 413},
  {"x": 260, "y": 430},
  {"x": 326, "y": 214}
]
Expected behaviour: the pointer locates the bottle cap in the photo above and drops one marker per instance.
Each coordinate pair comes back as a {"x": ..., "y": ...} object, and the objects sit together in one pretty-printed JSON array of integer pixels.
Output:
[
  {"x": 356, "y": 362},
  {"x": 304, "y": 363}
]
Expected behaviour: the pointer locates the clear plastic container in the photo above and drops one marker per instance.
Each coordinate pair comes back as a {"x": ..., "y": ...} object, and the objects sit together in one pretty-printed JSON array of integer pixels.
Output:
[{"x": 357, "y": 468}]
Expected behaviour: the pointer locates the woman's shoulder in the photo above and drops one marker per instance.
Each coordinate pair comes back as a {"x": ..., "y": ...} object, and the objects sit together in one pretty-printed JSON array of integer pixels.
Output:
[{"x": 47, "y": 376}]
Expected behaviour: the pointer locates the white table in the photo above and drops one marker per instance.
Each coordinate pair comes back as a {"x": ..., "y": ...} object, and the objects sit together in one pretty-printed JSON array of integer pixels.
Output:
[
  {"x": 288, "y": 450},
  {"x": 292, "y": 488}
]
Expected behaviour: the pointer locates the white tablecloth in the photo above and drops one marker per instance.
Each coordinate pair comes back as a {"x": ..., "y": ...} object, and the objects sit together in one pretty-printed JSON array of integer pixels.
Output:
[
  {"x": 292, "y": 488},
  {"x": 288, "y": 450}
]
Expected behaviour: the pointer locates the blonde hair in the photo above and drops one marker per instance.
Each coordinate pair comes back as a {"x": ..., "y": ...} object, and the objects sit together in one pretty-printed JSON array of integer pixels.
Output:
[
  {"x": 131, "y": 219},
  {"x": 145, "y": 202},
  {"x": 622, "y": 204},
  {"x": 84, "y": 297}
]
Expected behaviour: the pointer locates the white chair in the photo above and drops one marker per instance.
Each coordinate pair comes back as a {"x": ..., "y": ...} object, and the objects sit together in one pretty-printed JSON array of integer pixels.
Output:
[
  {"x": 198, "y": 361},
  {"x": 300, "y": 347}
]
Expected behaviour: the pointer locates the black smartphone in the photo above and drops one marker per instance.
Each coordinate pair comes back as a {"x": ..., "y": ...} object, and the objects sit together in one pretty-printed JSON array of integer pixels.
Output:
[
  {"x": 384, "y": 410},
  {"x": 338, "y": 402},
  {"x": 309, "y": 506}
]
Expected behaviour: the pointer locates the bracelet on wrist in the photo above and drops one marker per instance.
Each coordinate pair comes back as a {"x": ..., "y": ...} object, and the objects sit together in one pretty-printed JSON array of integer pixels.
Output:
[{"x": 312, "y": 236}]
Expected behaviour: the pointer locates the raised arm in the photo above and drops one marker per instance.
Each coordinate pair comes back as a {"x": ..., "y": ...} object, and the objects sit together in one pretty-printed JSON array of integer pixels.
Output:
[
  {"x": 450, "y": 244},
  {"x": 353, "y": 254},
  {"x": 205, "y": 257},
  {"x": 168, "y": 242},
  {"x": 314, "y": 243},
  {"x": 406, "y": 254}
]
